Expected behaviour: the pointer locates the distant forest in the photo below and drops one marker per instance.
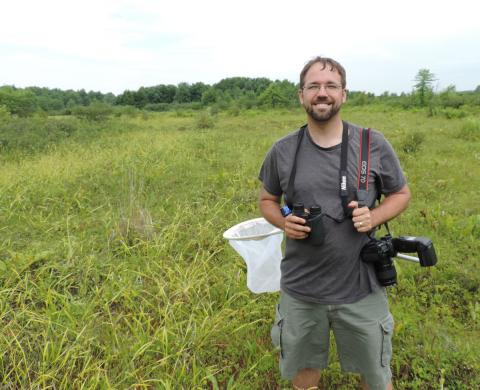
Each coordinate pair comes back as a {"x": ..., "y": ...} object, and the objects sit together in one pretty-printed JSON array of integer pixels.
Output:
[{"x": 238, "y": 92}]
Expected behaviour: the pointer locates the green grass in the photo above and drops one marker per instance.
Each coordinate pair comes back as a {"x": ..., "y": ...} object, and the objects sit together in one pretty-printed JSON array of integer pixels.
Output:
[{"x": 114, "y": 273}]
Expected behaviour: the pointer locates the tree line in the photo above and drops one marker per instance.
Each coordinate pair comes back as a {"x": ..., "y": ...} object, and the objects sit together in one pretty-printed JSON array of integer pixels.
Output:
[{"x": 241, "y": 92}]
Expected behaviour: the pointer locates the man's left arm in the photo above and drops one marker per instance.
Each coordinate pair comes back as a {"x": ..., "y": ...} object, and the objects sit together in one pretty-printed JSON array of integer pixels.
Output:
[{"x": 392, "y": 205}]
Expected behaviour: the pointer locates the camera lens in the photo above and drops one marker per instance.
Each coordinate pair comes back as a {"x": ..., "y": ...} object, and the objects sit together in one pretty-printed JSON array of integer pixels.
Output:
[{"x": 386, "y": 273}]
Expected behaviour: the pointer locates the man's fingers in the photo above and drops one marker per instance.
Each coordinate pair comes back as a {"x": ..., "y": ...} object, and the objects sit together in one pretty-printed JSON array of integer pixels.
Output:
[
  {"x": 353, "y": 204},
  {"x": 296, "y": 220},
  {"x": 295, "y": 227},
  {"x": 297, "y": 235},
  {"x": 296, "y": 223},
  {"x": 358, "y": 212}
]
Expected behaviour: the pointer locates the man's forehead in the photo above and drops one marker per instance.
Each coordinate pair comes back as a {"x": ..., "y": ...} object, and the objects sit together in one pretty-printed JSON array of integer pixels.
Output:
[{"x": 325, "y": 69}]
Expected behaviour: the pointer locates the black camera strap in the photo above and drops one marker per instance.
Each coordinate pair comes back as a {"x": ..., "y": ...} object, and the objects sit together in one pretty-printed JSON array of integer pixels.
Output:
[
  {"x": 293, "y": 172},
  {"x": 344, "y": 195}
]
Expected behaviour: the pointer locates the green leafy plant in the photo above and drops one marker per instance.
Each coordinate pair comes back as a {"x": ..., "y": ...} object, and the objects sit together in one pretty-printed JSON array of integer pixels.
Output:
[
  {"x": 413, "y": 142},
  {"x": 470, "y": 130},
  {"x": 204, "y": 121}
]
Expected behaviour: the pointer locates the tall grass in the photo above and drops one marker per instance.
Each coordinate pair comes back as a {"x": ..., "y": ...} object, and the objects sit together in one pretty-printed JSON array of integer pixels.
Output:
[{"x": 114, "y": 273}]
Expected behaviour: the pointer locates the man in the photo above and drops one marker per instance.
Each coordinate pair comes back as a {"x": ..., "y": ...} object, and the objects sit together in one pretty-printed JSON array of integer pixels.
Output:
[{"x": 327, "y": 286}]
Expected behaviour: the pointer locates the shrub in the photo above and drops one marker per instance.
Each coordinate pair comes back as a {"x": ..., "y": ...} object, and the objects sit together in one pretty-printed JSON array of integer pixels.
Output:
[
  {"x": 4, "y": 113},
  {"x": 413, "y": 142},
  {"x": 222, "y": 105},
  {"x": 158, "y": 107},
  {"x": 204, "y": 121},
  {"x": 234, "y": 111},
  {"x": 18, "y": 102},
  {"x": 130, "y": 111},
  {"x": 36, "y": 133},
  {"x": 470, "y": 130},
  {"x": 452, "y": 113},
  {"x": 213, "y": 110},
  {"x": 97, "y": 111}
]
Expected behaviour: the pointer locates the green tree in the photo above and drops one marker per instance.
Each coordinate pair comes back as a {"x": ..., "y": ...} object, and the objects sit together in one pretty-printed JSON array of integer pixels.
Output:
[
  {"x": 450, "y": 97},
  {"x": 127, "y": 98},
  {"x": 424, "y": 86},
  {"x": 209, "y": 96},
  {"x": 84, "y": 100},
  {"x": 162, "y": 93},
  {"x": 360, "y": 98},
  {"x": 18, "y": 102},
  {"x": 183, "y": 93},
  {"x": 257, "y": 85},
  {"x": 248, "y": 100},
  {"x": 273, "y": 96},
  {"x": 197, "y": 90},
  {"x": 140, "y": 97}
]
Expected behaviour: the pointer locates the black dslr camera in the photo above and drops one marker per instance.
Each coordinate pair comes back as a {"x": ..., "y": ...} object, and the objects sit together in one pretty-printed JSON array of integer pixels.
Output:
[{"x": 380, "y": 253}]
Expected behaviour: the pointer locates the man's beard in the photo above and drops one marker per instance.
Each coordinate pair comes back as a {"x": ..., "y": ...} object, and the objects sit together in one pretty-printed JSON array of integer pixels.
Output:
[{"x": 323, "y": 116}]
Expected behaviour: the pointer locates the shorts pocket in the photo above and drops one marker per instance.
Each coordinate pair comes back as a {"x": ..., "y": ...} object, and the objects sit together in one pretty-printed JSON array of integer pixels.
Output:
[
  {"x": 276, "y": 332},
  {"x": 386, "y": 326}
]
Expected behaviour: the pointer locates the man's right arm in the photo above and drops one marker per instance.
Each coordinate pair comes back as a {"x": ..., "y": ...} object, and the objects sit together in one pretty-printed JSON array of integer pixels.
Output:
[{"x": 270, "y": 208}]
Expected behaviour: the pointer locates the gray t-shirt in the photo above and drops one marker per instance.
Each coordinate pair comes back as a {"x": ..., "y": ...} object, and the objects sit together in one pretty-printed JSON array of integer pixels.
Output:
[{"x": 332, "y": 273}]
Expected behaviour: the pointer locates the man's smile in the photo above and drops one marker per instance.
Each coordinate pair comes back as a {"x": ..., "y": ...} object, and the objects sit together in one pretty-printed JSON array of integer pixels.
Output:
[{"x": 322, "y": 105}]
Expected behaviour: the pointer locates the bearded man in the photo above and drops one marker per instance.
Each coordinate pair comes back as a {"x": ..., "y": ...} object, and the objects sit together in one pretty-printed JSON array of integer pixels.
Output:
[{"x": 327, "y": 287}]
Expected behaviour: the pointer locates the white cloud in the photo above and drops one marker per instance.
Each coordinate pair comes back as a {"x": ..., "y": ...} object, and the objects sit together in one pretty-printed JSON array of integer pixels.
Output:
[{"x": 115, "y": 45}]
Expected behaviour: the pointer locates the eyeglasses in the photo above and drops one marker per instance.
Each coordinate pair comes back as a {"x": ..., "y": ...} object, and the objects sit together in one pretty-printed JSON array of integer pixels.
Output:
[{"x": 329, "y": 87}]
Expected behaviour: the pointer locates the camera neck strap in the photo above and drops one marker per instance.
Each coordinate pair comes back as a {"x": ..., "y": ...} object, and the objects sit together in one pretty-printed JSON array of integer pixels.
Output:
[
  {"x": 293, "y": 172},
  {"x": 363, "y": 169},
  {"x": 344, "y": 194}
]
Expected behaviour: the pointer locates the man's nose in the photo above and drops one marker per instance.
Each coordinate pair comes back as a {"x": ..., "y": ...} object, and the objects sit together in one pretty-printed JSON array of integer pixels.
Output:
[{"x": 322, "y": 91}]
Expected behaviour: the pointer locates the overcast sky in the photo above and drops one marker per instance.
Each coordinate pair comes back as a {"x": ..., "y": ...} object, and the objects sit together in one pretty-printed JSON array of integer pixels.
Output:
[{"x": 111, "y": 46}]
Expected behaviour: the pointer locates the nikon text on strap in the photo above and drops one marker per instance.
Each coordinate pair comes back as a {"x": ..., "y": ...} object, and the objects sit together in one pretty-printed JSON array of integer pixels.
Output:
[{"x": 343, "y": 171}]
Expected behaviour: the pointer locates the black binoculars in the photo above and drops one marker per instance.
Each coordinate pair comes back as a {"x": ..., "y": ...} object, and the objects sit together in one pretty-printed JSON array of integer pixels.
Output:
[{"x": 314, "y": 220}]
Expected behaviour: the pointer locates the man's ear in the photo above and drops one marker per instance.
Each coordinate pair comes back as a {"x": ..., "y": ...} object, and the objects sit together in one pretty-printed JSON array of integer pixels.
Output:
[
  {"x": 300, "y": 96},
  {"x": 345, "y": 95}
]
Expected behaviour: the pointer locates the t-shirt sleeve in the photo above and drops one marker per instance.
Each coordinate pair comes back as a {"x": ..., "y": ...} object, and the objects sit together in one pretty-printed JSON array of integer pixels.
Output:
[
  {"x": 269, "y": 174},
  {"x": 391, "y": 172}
]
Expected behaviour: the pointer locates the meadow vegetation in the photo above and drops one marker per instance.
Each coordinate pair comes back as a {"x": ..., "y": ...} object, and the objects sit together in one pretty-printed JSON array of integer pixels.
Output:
[{"x": 114, "y": 272}]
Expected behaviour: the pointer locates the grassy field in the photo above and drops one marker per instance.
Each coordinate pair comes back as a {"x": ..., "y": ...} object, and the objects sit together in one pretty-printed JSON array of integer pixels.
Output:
[{"x": 114, "y": 272}]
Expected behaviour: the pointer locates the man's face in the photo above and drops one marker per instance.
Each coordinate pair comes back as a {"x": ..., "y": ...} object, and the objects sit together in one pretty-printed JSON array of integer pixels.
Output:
[{"x": 322, "y": 95}]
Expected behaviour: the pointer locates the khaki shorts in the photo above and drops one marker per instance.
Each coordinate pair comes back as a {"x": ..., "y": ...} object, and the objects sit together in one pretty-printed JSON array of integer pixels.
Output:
[{"x": 363, "y": 335}]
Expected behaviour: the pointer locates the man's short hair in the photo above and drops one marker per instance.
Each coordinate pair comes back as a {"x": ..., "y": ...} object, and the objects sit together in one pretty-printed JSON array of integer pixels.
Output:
[{"x": 326, "y": 62}]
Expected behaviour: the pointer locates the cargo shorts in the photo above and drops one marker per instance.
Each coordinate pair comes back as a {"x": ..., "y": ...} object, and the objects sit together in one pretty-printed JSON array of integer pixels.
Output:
[{"x": 362, "y": 330}]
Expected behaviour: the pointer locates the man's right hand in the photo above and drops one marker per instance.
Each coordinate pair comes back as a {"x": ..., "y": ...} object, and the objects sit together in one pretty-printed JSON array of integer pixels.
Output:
[{"x": 295, "y": 227}]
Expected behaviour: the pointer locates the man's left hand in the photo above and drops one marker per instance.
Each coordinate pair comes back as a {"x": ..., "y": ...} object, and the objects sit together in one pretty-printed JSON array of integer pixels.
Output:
[{"x": 361, "y": 217}]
